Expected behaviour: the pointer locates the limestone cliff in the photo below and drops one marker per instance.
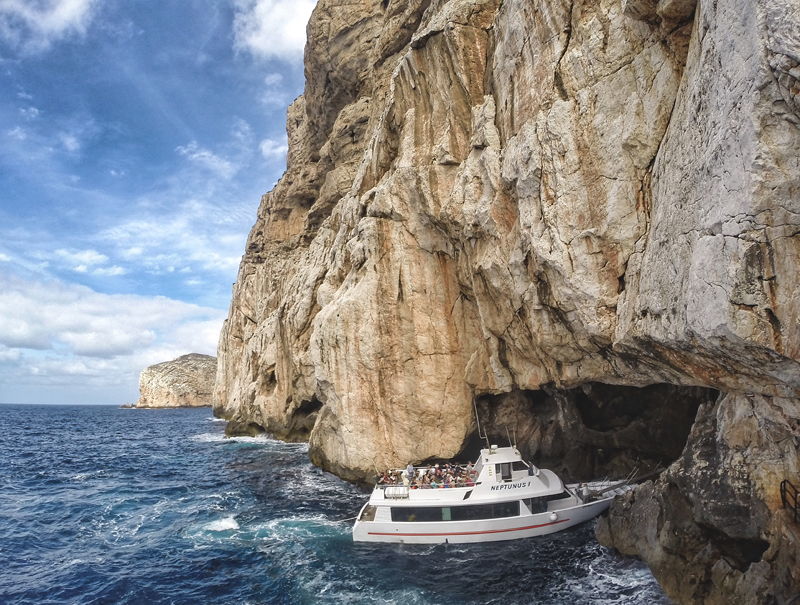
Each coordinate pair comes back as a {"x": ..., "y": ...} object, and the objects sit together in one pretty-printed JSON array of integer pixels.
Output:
[
  {"x": 185, "y": 382},
  {"x": 586, "y": 215}
]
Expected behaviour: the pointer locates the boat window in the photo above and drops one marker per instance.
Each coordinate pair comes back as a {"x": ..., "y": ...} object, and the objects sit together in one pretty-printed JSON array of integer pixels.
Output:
[
  {"x": 485, "y": 511},
  {"x": 539, "y": 505},
  {"x": 368, "y": 514},
  {"x": 417, "y": 513},
  {"x": 519, "y": 465},
  {"x": 455, "y": 513},
  {"x": 504, "y": 470},
  {"x": 562, "y": 496},
  {"x": 536, "y": 505}
]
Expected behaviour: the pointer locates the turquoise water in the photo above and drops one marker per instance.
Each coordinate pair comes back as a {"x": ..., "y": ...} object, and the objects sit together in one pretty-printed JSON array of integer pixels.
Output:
[{"x": 103, "y": 505}]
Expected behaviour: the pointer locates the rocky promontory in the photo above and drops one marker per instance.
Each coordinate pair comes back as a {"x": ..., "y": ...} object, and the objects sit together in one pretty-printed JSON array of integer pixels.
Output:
[
  {"x": 583, "y": 215},
  {"x": 185, "y": 382}
]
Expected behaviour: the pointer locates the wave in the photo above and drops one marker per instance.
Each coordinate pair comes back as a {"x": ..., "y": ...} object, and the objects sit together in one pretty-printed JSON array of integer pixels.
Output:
[
  {"x": 299, "y": 528},
  {"x": 88, "y": 475},
  {"x": 221, "y": 438},
  {"x": 227, "y": 524}
]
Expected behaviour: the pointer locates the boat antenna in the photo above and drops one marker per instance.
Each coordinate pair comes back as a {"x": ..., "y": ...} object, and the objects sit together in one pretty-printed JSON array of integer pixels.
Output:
[
  {"x": 478, "y": 422},
  {"x": 510, "y": 442}
]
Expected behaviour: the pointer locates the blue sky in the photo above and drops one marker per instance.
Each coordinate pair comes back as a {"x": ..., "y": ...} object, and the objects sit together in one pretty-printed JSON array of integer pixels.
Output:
[{"x": 137, "y": 140}]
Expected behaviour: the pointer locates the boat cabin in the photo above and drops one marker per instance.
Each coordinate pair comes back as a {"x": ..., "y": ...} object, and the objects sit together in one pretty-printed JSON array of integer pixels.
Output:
[{"x": 498, "y": 474}]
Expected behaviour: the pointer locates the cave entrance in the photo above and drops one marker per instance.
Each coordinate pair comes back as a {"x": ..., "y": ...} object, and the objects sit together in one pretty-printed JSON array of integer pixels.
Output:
[{"x": 595, "y": 430}]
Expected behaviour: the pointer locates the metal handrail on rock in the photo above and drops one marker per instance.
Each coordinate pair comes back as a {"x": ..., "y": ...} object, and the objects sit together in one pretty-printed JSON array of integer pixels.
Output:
[{"x": 789, "y": 498}]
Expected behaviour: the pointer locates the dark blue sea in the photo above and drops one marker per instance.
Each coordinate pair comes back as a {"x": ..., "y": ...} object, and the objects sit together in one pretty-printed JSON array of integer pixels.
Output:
[{"x": 104, "y": 505}]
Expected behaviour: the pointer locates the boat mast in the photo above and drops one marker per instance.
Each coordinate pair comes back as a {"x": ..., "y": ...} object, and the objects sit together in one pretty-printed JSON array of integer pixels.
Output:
[
  {"x": 510, "y": 442},
  {"x": 478, "y": 422}
]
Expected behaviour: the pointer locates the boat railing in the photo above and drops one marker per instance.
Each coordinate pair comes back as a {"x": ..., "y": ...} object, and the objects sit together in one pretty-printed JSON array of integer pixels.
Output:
[
  {"x": 400, "y": 478},
  {"x": 789, "y": 498}
]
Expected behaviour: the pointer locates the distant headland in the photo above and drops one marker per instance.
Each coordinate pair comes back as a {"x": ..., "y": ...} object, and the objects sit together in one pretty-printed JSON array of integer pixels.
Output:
[{"x": 185, "y": 382}]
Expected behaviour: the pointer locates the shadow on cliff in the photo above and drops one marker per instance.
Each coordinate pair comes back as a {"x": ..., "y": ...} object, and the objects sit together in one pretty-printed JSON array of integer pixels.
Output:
[{"x": 595, "y": 430}]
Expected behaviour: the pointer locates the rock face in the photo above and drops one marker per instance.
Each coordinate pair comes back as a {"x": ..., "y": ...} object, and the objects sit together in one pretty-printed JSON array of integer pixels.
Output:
[
  {"x": 185, "y": 382},
  {"x": 584, "y": 214},
  {"x": 708, "y": 527}
]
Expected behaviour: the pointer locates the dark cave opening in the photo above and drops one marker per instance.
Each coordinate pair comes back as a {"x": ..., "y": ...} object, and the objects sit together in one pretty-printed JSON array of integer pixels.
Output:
[
  {"x": 302, "y": 420},
  {"x": 235, "y": 428},
  {"x": 595, "y": 430},
  {"x": 740, "y": 553}
]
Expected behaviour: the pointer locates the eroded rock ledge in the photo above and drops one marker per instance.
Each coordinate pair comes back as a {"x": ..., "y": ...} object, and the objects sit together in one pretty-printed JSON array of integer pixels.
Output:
[
  {"x": 586, "y": 215},
  {"x": 185, "y": 382}
]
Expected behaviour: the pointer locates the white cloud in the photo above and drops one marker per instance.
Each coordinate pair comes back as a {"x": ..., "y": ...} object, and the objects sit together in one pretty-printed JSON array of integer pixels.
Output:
[
  {"x": 274, "y": 148},
  {"x": 57, "y": 333},
  {"x": 4, "y": 258},
  {"x": 272, "y": 98},
  {"x": 196, "y": 235},
  {"x": 272, "y": 29},
  {"x": 29, "y": 113},
  {"x": 208, "y": 160},
  {"x": 35, "y": 25},
  {"x": 81, "y": 260},
  {"x": 109, "y": 271},
  {"x": 70, "y": 142},
  {"x": 7, "y": 354},
  {"x": 275, "y": 95},
  {"x": 17, "y": 133},
  {"x": 132, "y": 252},
  {"x": 241, "y": 134}
]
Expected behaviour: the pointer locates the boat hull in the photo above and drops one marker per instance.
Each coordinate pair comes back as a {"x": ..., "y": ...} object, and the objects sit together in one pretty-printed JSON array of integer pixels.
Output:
[{"x": 484, "y": 530}]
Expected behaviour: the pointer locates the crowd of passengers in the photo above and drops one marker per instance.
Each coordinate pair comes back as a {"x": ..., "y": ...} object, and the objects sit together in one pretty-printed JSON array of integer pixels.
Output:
[{"x": 431, "y": 477}]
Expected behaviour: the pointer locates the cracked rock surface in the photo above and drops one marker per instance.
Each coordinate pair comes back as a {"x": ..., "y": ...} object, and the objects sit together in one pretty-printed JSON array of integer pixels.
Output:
[
  {"x": 556, "y": 197},
  {"x": 185, "y": 382}
]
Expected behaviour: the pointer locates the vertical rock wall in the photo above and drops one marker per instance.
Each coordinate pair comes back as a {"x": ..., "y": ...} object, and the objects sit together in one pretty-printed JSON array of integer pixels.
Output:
[
  {"x": 498, "y": 198},
  {"x": 185, "y": 382}
]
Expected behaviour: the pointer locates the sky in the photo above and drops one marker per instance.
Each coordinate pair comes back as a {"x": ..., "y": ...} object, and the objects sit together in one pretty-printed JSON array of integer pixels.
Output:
[{"x": 136, "y": 140}]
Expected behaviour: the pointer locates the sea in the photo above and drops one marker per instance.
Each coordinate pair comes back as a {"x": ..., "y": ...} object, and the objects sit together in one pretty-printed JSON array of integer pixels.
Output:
[{"x": 106, "y": 505}]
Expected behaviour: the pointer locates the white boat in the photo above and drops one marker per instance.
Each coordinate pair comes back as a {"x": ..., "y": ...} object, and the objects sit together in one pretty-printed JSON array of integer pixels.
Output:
[{"x": 506, "y": 498}]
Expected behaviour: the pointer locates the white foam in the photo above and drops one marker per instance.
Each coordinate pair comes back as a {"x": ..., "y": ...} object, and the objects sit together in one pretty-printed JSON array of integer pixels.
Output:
[
  {"x": 85, "y": 476},
  {"x": 299, "y": 528},
  {"x": 228, "y": 524},
  {"x": 220, "y": 437}
]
